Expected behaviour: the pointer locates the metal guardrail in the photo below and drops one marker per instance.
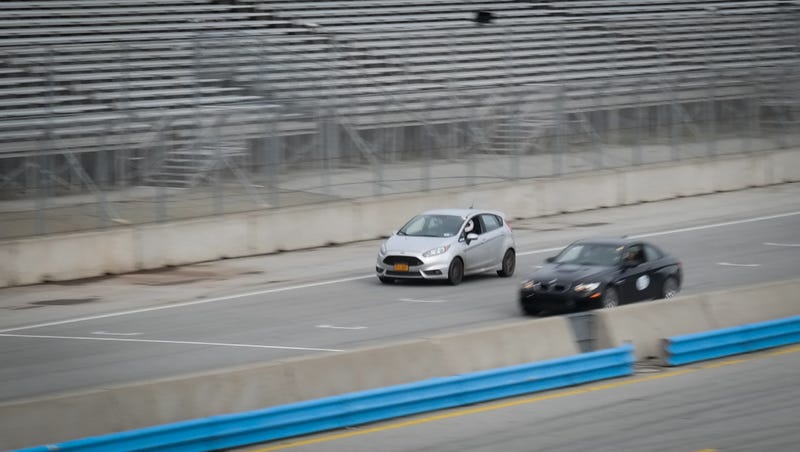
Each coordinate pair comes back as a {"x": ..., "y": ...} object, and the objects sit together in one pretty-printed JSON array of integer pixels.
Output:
[
  {"x": 707, "y": 345},
  {"x": 302, "y": 418}
]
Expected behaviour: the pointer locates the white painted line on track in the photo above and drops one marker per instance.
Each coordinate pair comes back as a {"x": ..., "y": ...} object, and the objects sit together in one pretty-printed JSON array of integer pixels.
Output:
[
  {"x": 337, "y": 281},
  {"x": 718, "y": 225},
  {"x": 728, "y": 264},
  {"x": 188, "y": 303},
  {"x": 414, "y": 300},
  {"x": 545, "y": 250},
  {"x": 332, "y": 327},
  {"x": 106, "y": 333},
  {"x": 781, "y": 244},
  {"x": 676, "y": 231},
  {"x": 156, "y": 341}
]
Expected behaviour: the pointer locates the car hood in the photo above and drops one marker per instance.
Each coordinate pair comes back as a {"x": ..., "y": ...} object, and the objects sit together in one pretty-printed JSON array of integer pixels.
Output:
[
  {"x": 415, "y": 245},
  {"x": 570, "y": 273}
]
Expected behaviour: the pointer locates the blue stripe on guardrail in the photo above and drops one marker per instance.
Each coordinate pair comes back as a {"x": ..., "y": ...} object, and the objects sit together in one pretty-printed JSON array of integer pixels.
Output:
[
  {"x": 707, "y": 345},
  {"x": 301, "y": 418}
]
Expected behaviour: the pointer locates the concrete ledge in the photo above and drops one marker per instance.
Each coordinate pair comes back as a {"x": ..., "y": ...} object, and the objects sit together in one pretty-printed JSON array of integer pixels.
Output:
[
  {"x": 506, "y": 345},
  {"x": 646, "y": 324},
  {"x": 757, "y": 303},
  {"x": 64, "y": 417},
  {"x": 65, "y": 257},
  {"x": 144, "y": 247},
  {"x": 357, "y": 408}
]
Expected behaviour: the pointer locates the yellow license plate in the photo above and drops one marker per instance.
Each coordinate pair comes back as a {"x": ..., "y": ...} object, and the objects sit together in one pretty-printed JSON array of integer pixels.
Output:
[{"x": 401, "y": 267}]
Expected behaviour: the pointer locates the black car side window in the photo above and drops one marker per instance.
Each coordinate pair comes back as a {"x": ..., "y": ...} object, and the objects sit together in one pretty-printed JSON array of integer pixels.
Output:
[
  {"x": 640, "y": 257},
  {"x": 652, "y": 253},
  {"x": 635, "y": 254}
]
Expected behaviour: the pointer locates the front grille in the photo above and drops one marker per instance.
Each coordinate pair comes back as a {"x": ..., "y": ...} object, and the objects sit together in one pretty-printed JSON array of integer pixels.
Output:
[
  {"x": 549, "y": 302},
  {"x": 411, "y": 261},
  {"x": 551, "y": 288},
  {"x": 408, "y": 274}
]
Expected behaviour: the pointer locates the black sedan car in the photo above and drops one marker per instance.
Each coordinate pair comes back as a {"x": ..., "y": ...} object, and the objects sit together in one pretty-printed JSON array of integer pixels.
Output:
[{"x": 600, "y": 273}]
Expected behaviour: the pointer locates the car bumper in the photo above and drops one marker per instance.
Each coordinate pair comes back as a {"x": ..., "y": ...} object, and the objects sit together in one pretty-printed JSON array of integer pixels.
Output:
[
  {"x": 568, "y": 301},
  {"x": 431, "y": 268}
]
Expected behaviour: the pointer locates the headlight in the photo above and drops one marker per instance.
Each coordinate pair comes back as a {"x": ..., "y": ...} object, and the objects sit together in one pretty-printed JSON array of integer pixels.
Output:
[
  {"x": 383, "y": 248},
  {"x": 436, "y": 251},
  {"x": 528, "y": 284},
  {"x": 587, "y": 287}
]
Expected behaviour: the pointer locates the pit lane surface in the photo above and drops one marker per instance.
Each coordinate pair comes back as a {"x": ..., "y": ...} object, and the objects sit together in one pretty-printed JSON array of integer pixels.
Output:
[
  {"x": 748, "y": 403},
  {"x": 321, "y": 301}
]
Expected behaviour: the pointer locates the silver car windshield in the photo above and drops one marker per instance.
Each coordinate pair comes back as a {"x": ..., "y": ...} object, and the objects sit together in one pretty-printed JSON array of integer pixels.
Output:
[
  {"x": 432, "y": 226},
  {"x": 604, "y": 255}
]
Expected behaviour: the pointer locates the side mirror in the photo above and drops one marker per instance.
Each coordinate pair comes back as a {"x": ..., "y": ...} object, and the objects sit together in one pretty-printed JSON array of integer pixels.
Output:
[
  {"x": 550, "y": 259},
  {"x": 471, "y": 236}
]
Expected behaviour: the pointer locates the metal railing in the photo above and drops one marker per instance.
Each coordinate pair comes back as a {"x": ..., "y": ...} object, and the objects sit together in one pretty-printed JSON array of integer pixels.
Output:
[{"x": 351, "y": 128}]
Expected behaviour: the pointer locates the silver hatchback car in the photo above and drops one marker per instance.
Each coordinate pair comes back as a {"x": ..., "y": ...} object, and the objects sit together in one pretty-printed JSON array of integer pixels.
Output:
[{"x": 448, "y": 244}]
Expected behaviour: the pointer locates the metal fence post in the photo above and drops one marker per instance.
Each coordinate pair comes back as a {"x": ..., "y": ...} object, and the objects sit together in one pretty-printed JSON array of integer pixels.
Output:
[
  {"x": 558, "y": 155},
  {"x": 711, "y": 114}
]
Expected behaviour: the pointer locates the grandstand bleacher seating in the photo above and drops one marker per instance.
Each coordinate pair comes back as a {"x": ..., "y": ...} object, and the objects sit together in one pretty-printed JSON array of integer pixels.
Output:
[{"x": 75, "y": 71}]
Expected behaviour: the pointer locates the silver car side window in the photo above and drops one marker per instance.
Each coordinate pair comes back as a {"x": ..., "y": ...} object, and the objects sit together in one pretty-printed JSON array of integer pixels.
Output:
[{"x": 491, "y": 222}]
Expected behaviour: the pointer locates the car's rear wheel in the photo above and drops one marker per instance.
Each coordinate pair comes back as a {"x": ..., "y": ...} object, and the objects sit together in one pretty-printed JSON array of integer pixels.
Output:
[
  {"x": 455, "y": 274},
  {"x": 670, "y": 288},
  {"x": 386, "y": 280},
  {"x": 610, "y": 298},
  {"x": 509, "y": 264}
]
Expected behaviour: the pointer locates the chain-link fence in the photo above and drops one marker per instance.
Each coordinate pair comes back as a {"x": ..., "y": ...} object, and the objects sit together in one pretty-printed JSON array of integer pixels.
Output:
[{"x": 250, "y": 121}]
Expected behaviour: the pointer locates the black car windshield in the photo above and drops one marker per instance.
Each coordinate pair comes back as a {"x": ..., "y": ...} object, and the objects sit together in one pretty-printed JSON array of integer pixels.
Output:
[
  {"x": 600, "y": 254},
  {"x": 432, "y": 226}
]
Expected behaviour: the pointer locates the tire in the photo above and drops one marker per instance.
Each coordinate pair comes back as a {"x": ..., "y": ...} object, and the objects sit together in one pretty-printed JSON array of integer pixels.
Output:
[
  {"x": 610, "y": 298},
  {"x": 455, "y": 274},
  {"x": 670, "y": 288},
  {"x": 509, "y": 264},
  {"x": 386, "y": 280}
]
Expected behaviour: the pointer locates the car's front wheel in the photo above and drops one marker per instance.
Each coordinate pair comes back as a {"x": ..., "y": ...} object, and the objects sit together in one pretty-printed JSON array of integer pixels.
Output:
[
  {"x": 610, "y": 298},
  {"x": 670, "y": 288},
  {"x": 456, "y": 272},
  {"x": 386, "y": 280},
  {"x": 509, "y": 264}
]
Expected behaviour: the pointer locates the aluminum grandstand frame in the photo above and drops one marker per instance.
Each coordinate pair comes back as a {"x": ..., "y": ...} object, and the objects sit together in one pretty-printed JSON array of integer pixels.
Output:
[{"x": 144, "y": 110}]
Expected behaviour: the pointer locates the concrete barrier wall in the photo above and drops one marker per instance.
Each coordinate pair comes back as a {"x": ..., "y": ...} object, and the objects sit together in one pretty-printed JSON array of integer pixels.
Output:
[
  {"x": 782, "y": 166},
  {"x": 361, "y": 407},
  {"x": 506, "y": 345},
  {"x": 127, "y": 249},
  {"x": 646, "y": 324},
  {"x": 753, "y": 304},
  {"x": 159, "y": 245},
  {"x": 73, "y": 256},
  {"x": 59, "y": 418}
]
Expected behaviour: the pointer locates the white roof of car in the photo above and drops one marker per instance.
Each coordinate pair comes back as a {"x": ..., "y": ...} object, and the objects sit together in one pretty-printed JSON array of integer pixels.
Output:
[{"x": 463, "y": 213}]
